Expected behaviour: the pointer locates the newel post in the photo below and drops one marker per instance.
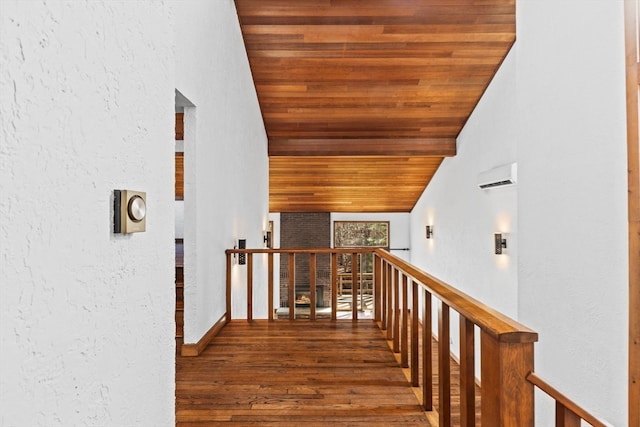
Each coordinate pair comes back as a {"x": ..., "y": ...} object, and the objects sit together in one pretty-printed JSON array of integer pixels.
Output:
[{"x": 507, "y": 396}]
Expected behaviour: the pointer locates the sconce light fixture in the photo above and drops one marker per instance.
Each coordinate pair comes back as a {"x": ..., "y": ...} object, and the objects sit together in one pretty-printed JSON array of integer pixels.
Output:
[
  {"x": 500, "y": 242},
  {"x": 267, "y": 239},
  {"x": 429, "y": 231},
  {"x": 242, "y": 258}
]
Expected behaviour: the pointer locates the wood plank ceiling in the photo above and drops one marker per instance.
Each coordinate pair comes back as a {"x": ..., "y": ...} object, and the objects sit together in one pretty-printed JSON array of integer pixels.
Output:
[{"x": 363, "y": 99}]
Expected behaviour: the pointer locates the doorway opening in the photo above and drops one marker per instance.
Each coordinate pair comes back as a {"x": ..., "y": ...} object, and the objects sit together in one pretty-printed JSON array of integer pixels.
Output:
[{"x": 184, "y": 139}]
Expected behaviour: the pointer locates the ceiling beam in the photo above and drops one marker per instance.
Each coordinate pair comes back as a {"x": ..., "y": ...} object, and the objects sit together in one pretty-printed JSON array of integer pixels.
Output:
[{"x": 445, "y": 147}]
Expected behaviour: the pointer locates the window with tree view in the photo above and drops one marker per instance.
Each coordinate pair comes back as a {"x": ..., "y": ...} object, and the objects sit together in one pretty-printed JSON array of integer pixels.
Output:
[{"x": 353, "y": 234}]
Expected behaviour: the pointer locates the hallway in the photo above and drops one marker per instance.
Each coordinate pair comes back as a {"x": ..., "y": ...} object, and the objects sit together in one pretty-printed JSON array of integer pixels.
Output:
[{"x": 290, "y": 373}]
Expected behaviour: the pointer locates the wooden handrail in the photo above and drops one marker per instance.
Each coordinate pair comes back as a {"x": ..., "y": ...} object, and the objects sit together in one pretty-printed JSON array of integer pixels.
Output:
[
  {"x": 358, "y": 250},
  {"x": 506, "y": 346},
  {"x": 563, "y": 403},
  {"x": 491, "y": 321},
  {"x": 356, "y": 279}
]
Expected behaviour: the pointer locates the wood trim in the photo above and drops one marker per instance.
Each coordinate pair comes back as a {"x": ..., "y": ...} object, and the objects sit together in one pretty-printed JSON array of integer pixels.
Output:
[
  {"x": 179, "y": 127},
  {"x": 444, "y": 365},
  {"x": 415, "y": 321},
  {"x": 365, "y": 250},
  {"x": 179, "y": 176},
  {"x": 427, "y": 365},
  {"x": 391, "y": 277},
  {"x": 492, "y": 321},
  {"x": 189, "y": 350},
  {"x": 270, "y": 285},
  {"x": 566, "y": 418},
  {"x": 377, "y": 280},
  {"x": 396, "y": 310},
  {"x": 312, "y": 285},
  {"x": 292, "y": 286},
  {"x": 445, "y": 147},
  {"x": 228, "y": 288},
  {"x": 404, "y": 330},
  {"x": 467, "y": 373},
  {"x": 249, "y": 287},
  {"x": 334, "y": 286},
  {"x": 633, "y": 156},
  {"x": 507, "y": 397},
  {"x": 563, "y": 400},
  {"x": 496, "y": 324},
  {"x": 383, "y": 293}
]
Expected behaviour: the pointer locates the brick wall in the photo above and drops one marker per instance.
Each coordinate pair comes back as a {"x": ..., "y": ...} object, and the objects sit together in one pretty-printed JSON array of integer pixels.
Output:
[{"x": 300, "y": 231}]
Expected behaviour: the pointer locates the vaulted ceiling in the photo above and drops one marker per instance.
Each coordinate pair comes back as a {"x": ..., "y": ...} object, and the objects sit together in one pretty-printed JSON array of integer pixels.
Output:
[{"x": 363, "y": 99}]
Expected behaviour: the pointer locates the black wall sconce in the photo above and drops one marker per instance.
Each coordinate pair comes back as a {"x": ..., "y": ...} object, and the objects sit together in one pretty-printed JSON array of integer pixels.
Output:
[
  {"x": 267, "y": 239},
  {"x": 500, "y": 242},
  {"x": 242, "y": 258},
  {"x": 429, "y": 231}
]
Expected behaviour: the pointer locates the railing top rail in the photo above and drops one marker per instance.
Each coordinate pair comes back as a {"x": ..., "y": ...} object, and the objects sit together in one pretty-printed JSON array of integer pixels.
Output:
[
  {"x": 302, "y": 251},
  {"x": 496, "y": 324},
  {"x": 564, "y": 400}
]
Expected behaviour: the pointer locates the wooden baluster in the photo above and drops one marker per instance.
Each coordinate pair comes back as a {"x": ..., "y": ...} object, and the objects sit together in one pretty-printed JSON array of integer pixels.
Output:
[
  {"x": 312, "y": 286},
  {"x": 249, "y": 287},
  {"x": 507, "y": 397},
  {"x": 270, "y": 284},
  {"x": 354, "y": 286},
  {"x": 444, "y": 367},
  {"x": 390, "y": 302},
  {"x": 396, "y": 312},
  {"x": 228, "y": 316},
  {"x": 334, "y": 285},
  {"x": 377, "y": 268},
  {"x": 383, "y": 296},
  {"x": 404, "y": 337},
  {"x": 415, "y": 372},
  {"x": 292, "y": 286},
  {"x": 427, "y": 351},
  {"x": 467, "y": 374},
  {"x": 565, "y": 417}
]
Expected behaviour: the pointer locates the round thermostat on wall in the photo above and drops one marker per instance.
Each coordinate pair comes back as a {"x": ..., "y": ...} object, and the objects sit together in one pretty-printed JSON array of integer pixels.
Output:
[
  {"x": 129, "y": 211},
  {"x": 137, "y": 208}
]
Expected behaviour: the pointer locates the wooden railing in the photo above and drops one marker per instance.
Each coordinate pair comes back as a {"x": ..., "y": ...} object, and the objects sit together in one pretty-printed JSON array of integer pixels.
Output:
[
  {"x": 291, "y": 277},
  {"x": 568, "y": 413},
  {"x": 506, "y": 347},
  {"x": 401, "y": 291}
]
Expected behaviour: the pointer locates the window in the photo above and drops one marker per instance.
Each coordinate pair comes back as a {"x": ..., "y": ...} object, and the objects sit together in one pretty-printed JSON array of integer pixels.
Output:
[
  {"x": 353, "y": 234},
  {"x": 350, "y": 234}
]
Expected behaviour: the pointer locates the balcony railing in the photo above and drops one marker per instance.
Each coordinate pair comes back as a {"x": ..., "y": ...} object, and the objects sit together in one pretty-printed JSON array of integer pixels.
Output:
[{"x": 401, "y": 292}]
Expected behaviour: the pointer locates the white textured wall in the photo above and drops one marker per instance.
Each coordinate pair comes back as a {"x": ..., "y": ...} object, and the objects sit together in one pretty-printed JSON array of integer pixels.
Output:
[
  {"x": 86, "y": 317},
  {"x": 465, "y": 217},
  {"x": 556, "y": 106},
  {"x": 179, "y": 218},
  {"x": 226, "y": 168},
  {"x": 573, "y": 271}
]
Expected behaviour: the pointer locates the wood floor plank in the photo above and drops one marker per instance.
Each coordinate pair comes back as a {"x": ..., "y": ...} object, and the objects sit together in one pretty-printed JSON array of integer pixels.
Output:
[{"x": 292, "y": 373}]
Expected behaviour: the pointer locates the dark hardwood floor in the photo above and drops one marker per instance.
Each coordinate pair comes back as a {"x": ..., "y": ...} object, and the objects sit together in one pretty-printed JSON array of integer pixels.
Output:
[{"x": 294, "y": 373}]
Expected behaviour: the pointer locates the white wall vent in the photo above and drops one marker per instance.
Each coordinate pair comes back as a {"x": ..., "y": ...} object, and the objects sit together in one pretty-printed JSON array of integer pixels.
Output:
[{"x": 500, "y": 176}]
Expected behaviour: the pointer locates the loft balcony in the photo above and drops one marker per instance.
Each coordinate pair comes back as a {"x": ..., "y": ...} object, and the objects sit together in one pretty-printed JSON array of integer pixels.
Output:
[{"x": 338, "y": 369}]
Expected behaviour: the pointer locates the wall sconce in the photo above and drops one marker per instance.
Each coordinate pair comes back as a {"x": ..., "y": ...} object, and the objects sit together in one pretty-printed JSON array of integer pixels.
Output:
[
  {"x": 500, "y": 243},
  {"x": 429, "y": 231},
  {"x": 242, "y": 258},
  {"x": 267, "y": 239}
]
